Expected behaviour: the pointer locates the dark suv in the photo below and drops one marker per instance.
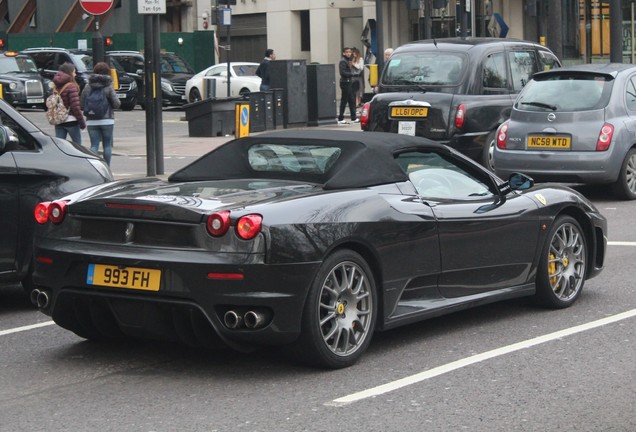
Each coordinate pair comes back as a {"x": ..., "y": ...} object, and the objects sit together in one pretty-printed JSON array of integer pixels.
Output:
[
  {"x": 455, "y": 91},
  {"x": 48, "y": 61},
  {"x": 175, "y": 71}
]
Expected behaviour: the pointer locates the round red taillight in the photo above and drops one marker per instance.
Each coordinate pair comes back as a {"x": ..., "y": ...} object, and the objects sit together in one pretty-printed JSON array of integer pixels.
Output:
[
  {"x": 57, "y": 211},
  {"x": 502, "y": 136},
  {"x": 249, "y": 226},
  {"x": 41, "y": 212},
  {"x": 218, "y": 223},
  {"x": 364, "y": 115}
]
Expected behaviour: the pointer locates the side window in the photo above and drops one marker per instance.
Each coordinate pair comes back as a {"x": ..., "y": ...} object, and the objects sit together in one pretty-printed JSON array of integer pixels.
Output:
[
  {"x": 494, "y": 72},
  {"x": 630, "y": 94},
  {"x": 523, "y": 64},
  {"x": 548, "y": 61},
  {"x": 436, "y": 176}
]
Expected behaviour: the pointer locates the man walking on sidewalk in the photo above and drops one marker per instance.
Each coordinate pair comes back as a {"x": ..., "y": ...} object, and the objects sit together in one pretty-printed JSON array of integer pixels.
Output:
[{"x": 348, "y": 96}]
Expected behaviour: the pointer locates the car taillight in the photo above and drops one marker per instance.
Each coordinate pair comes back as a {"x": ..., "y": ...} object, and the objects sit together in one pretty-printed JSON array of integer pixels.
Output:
[
  {"x": 364, "y": 115},
  {"x": 502, "y": 136},
  {"x": 41, "y": 212},
  {"x": 57, "y": 211},
  {"x": 605, "y": 137},
  {"x": 218, "y": 223},
  {"x": 460, "y": 116},
  {"x": 249, "y": 226},
  {"x": 54, "y": 212}
]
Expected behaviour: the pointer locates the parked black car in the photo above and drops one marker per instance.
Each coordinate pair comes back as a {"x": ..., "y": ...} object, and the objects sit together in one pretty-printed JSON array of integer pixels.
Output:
[
  {"x": 35, "y": 166},
  {"x": 48, "y": 61},
  {"x": 456, "y": 91},
  {"x": 175, "y": 71},
  {"x": 22, "y": 84}
]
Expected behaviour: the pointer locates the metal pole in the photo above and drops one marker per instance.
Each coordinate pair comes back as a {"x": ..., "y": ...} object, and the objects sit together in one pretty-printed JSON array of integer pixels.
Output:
[
  {"x": 98, "y": 43},
  {"x": 151, "y": 166},
  {"x": 158, "y": 125},
  {"x": 616, "y": 31},
  {"x": 633, "y": 38},
  {"x": 428, "y": 21},
  {"x": 379, "y": 30},
  {"x": 228, "y": 51}
]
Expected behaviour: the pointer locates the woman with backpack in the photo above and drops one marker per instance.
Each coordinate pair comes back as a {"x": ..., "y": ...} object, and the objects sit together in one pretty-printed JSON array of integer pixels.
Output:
[
  {"x": 98, "y": 101},
  {"x": 68, "y": 89}
]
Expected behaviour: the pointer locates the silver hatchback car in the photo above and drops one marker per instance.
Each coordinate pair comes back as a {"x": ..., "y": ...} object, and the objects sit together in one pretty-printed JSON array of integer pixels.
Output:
[{"x": 574, "y": 125}]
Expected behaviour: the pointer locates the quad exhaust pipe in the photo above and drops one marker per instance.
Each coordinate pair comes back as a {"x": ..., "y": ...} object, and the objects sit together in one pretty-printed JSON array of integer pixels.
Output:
[
  {"x": 252, "y": 319},
  {"x": 40, "y": 298}
]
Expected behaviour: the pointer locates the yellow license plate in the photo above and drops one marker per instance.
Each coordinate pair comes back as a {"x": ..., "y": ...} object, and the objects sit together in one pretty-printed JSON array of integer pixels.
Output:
[
  {"x": 549, "y": 141},
  {"x": 409, "y": 112},
  {"x": 123, "y": 277}
]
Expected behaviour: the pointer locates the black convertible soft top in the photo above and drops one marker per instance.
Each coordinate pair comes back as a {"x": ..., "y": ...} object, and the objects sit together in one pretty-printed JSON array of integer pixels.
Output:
[{"x": 366, "y": 159}]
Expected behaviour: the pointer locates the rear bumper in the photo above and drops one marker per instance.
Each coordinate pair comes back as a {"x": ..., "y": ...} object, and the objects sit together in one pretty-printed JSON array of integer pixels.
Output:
[
  {"x": 188, "y": 301},
  {"x": 566, "y": 167}
]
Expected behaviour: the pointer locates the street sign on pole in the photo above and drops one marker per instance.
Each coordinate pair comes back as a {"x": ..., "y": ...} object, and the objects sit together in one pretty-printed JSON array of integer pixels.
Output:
[{"x": 96, "y": 7}]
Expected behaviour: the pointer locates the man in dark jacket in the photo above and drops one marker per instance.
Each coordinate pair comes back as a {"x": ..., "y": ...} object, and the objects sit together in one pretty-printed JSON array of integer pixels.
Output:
[
  {"x": 348, "y": 96},
  {"x": 263, "y": 69}
]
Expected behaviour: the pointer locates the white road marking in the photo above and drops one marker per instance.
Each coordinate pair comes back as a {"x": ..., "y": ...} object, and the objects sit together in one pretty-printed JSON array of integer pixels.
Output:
[
  {"x": 621, "y": 243},
  {"x": 449, "y": 367},
  {"x": 25, "y": 328}
]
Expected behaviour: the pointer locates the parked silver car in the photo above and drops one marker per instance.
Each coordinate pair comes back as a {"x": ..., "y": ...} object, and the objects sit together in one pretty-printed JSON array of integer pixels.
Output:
[{"x": 574, "y": 125}]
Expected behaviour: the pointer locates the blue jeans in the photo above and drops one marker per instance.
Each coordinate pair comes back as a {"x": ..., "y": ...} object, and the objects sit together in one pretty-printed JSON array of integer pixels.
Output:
[
  {"x": 264, "y": 87},
  {"x": 103, "y": 134},
  {"x": 74, "y": 132}
]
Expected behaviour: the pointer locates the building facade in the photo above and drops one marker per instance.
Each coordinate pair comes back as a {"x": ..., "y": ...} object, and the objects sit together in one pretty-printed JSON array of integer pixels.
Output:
[{"x": 316, "y": 30}]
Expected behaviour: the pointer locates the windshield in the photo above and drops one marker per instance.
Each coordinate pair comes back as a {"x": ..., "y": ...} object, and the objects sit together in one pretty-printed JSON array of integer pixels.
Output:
[
  {"x": 174, "y": 64},
  {"x": 17, "y": 64},
  {"x": 566, "y": 92},
  {"x": 87, "y": 63},
  {"x": 427, "y": 68}
]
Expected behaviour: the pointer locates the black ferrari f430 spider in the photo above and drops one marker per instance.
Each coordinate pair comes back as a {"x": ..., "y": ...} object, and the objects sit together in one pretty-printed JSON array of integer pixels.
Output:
[{"x": 311, "y": 239}]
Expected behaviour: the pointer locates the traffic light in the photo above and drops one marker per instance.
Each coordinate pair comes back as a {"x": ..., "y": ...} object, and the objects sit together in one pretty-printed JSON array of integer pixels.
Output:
[{"x": 108, "y": 41}]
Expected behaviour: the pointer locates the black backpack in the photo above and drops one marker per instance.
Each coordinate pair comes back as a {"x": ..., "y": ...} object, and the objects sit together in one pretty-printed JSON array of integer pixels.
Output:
[{"x": 96, "y": 105}]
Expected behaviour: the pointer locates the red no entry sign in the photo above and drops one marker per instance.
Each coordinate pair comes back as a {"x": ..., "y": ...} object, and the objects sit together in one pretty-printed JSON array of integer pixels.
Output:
[{"x": 96, "y": 7}]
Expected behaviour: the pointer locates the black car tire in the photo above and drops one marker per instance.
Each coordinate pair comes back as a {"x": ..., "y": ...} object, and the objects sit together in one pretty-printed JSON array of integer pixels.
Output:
[
  {"x": 244, "y": 92},
  {"x": 489, "y": 151},
  {"x": 625, "y": 186},
  {"x": 195, "y": 95},
  {"x": 563, "y": 264},
  {"x": 331, "y": 313}
]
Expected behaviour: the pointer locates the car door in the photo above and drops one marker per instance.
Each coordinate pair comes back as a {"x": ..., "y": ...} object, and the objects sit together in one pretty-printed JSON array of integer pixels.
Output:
[
  {"x": 215, "y": 82},
  {"x": 9, "y": 219},
  {"x": 486, "y": 241}
]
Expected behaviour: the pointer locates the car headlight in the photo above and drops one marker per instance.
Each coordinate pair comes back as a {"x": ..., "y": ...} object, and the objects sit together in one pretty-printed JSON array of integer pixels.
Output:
[
  {"x": 13, "y": 85},
  {"x": 133, "y": 85},
  {"x": 102, "y": 168},
  {"x": 166, "y": 85},
  {"x": 50, "y": 85}
]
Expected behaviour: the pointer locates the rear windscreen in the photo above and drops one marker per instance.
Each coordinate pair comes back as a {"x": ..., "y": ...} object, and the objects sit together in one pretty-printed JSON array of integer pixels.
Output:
[
  {"x": 423, "y": 69},
  {"x": 566, "y": 92}
]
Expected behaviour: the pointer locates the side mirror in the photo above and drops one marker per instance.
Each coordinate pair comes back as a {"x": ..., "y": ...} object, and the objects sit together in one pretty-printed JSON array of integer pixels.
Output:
[
  {"x": 7, "y": 137},
  {"x": 519, "y": 181}
]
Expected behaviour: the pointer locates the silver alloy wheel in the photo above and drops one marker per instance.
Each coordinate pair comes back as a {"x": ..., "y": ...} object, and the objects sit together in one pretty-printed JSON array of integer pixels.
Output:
[
  {"x": 566, "y": 262},
  {"x": 345, "y": 308},
  {"x": 630, "y": 173}
]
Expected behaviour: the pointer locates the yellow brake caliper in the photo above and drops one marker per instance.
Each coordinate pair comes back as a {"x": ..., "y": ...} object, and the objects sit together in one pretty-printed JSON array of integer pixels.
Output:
[{"x": 552, "y": 270}]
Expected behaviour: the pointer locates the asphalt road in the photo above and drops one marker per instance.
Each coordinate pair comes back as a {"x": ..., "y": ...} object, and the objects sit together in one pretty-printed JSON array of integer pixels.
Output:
[{"x": 503, "y": 367}]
